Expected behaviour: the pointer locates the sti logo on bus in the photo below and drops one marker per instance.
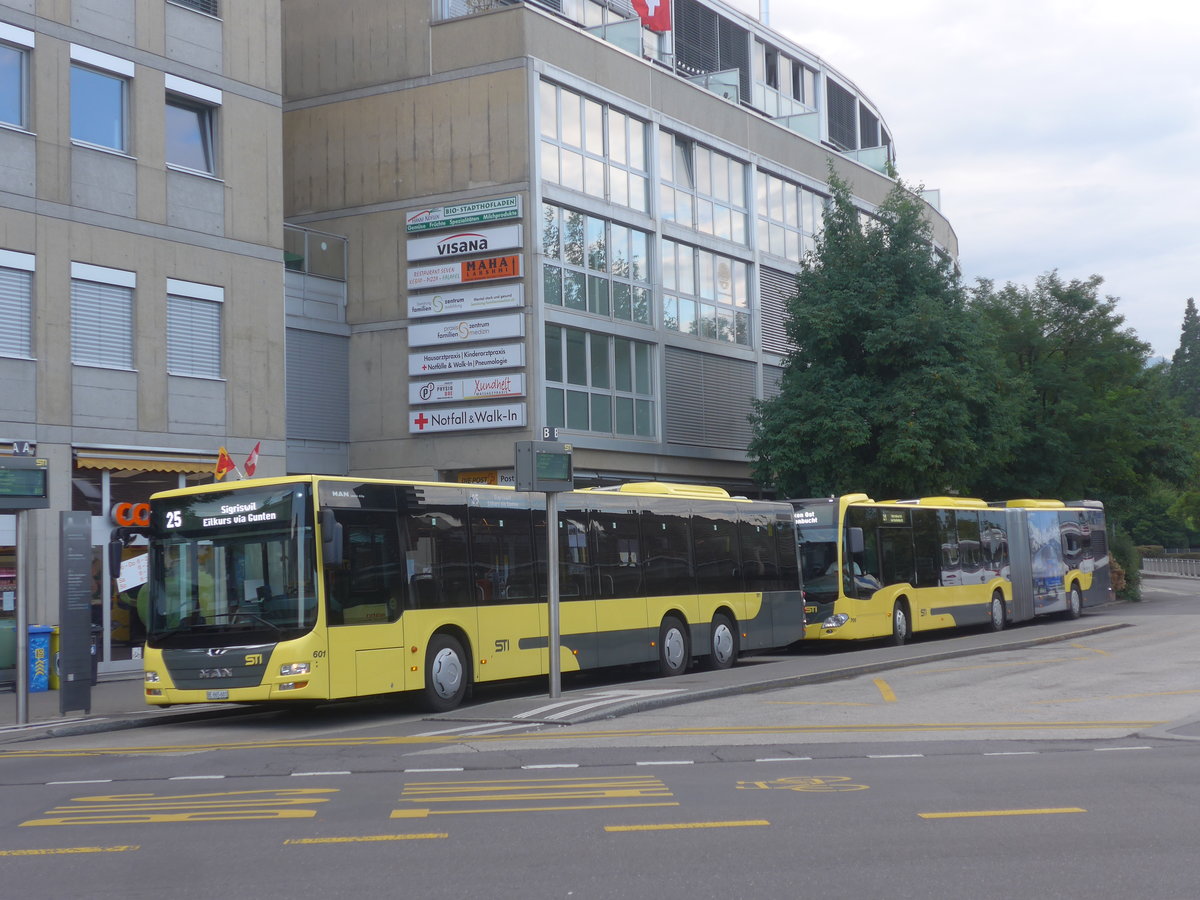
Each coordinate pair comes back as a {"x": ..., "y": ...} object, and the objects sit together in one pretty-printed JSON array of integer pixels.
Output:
[{"x": 467, "y": 242}]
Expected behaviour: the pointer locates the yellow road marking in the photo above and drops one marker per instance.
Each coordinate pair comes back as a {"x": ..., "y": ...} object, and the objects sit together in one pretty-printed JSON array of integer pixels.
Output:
[
  {"x": 982, "y": 813},
  {"x": 678, "y": 826},
  {"x": 57, "y": 851},
  {"x": 885, "y": 691},
  {"x": 129, "y": 809},
  {"x": 423, "y": 813},
  {"x": 1090, "y": 649},
  {"x": 368, "y": 838}
]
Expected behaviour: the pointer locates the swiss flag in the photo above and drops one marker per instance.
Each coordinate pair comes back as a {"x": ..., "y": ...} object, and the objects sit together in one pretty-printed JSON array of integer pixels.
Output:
[
  {"x": 655, "y": 14},
  {"x": 252, "y": 461}
]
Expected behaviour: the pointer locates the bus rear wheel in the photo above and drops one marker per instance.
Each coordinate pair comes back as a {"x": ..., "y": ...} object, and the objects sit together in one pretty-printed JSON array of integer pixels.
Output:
[
  {"x": 996, "y": 617},
  {"x": 900, "y": 625},
  {"x": 673, "y": 651},
  {"x": 445, "y": 674},
  {"x": 722, "y": 643}
]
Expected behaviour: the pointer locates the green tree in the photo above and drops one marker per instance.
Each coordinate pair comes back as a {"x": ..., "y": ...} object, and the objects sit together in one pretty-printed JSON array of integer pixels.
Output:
[
  {"x": 1185, "y": 364},
  {"x": 892, "y": 388},
  {"x": 1096, "y": 420}
]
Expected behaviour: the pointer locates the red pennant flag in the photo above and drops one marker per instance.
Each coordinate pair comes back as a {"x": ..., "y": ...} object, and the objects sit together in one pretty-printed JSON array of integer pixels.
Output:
[
  {"x": 224, "y": 465},
  {"x": 252, "y": 461},
  {"x": 655, "y": 14}
]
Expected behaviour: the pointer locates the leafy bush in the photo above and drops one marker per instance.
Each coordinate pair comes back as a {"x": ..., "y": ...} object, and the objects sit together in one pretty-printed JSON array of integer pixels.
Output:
[{"x": 1127, "y": 559}]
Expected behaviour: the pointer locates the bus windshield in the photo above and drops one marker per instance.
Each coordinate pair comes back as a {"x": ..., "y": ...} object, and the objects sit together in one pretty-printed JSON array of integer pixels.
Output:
[
  {"x": 230, "y": 568},
  {"x": 817, "y": 534}
]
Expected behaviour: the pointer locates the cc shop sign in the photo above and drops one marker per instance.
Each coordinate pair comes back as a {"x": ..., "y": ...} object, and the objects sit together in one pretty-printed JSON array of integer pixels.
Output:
[{"x": 130, "y": 514}]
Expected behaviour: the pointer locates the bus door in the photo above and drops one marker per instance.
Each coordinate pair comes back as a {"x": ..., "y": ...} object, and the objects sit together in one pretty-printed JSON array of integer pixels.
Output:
[
  {"x": 576, "y": 585},
  {"x": 364, "y": 599},
  {"x": 511, "y": 615}
]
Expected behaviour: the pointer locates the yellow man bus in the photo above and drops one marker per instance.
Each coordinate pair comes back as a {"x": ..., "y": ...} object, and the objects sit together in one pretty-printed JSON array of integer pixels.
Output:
[
  {"x": 312, "y": 588},
  {"x": 889, "y": 569}
]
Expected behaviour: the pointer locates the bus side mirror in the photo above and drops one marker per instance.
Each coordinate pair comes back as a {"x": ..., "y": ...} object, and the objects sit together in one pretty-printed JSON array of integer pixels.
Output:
[
  {"x": 331, "y": 538},
  {"x": 854, "y": 540},
  {"x": 116, "y": 550},
  {"x": 120, "y": 538}
]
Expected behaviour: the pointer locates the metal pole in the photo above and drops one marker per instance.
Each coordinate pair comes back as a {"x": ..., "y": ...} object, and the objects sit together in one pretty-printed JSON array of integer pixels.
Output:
[
  {"x": 22, "y": 685},
  {"x": 552, "y": 593}
]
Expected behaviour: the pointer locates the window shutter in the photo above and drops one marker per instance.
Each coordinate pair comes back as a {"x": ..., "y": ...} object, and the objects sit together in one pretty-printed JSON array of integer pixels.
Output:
[
  {"x": 101, "y": 325},
  {"x": 16, "y": 301},
  {"x": 775, "y": 290},
  {"x": 193, "y": 337}
]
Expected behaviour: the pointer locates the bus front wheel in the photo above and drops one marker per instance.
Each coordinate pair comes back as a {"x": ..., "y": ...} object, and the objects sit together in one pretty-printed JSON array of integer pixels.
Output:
[
  {"x": 1075, "y": 603},
  {"x": 723, "y": 643},
  {"x": 900, "y": 625},
  {"x": 673, "y": 652},
  {"x": 445, "y": 674}
]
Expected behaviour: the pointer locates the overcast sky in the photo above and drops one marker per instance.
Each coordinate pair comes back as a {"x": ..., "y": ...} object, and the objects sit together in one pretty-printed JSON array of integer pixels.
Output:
[{"x": 1062, "y": 134}]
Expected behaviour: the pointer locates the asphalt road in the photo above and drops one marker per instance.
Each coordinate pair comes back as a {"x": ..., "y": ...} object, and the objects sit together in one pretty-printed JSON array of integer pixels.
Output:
[{"x": 1062, "y": 768}]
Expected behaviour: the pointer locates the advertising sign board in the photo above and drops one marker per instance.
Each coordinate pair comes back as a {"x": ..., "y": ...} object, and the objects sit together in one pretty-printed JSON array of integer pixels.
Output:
[
  {"x": 479, "y": 387},
  {"x": 466, "y": 301},
  {"x": 466, "y": 418},
  {"x": 464, "y": 241},
  {"x": 460, "y": 331},
  {"x": 496, "y": 209},
  {"x": 466, "y": 359}
]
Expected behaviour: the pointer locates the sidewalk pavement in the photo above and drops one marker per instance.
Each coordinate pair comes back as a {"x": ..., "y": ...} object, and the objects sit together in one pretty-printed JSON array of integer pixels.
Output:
[{"x": 116, "y": 703}]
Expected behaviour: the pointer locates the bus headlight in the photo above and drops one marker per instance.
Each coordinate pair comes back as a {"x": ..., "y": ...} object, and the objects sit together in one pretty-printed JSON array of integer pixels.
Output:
[
  {"x": 836, "y": 621},
  {"x": 295, "y": 669},
  {"x": 151, "y": 677}
]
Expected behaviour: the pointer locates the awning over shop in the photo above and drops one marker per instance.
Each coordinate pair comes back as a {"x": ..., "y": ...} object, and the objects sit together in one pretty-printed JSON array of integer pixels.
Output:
[{"x": 144, "y": 461}]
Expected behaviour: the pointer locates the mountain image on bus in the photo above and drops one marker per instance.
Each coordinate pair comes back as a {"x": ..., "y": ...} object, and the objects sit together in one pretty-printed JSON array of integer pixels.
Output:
[
  {"x": 311, "y": 588},
  {"x": 890, "y": 569}
]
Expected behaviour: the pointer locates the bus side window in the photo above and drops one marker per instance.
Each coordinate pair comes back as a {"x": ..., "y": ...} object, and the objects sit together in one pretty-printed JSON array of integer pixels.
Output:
[
  {"x": 437, "y": 562},
  {"x": 369, "y": 586}
]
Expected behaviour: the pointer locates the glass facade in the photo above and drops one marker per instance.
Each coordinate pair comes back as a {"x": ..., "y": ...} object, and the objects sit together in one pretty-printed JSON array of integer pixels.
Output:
[
  {"x": 595, "y": 265},
  {"x": 599, "y": 383}
]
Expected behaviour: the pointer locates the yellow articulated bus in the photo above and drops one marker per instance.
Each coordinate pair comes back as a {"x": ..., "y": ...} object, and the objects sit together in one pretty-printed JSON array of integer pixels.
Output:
[
  {"x": 311, "y": 588},
  {"x": 889, "y": 569}
]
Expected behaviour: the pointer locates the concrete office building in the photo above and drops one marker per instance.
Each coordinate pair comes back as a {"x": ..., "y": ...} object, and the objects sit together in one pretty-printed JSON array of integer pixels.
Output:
[
  {"x": 556, "y": 216},
  {"x": 141, "y": 286},
  {"x": 393, "y": 237}
]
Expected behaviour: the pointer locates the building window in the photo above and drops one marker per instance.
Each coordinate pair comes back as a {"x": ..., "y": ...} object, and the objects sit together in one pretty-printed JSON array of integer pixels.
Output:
[
  {"x": 705, "y": 294},
  {"x": 842, "y": 116},
  {"x": 194, "y": 328},
  {"x": 102, "y": 316},
  {"x": 99, "y": 98},
  {"x": 591, "y": 147},
  {"x": 789, "y": 217},
  {"x": 190, "y": 132},
  {"x": 212, "y": 7},
  {"x": 702, "y": 189},
  {"x": 599, "y": 383},
  {"x": 595, "y": 265},
  {"x": 16, "y": 304},
  {"x": 15, "y": 44}
]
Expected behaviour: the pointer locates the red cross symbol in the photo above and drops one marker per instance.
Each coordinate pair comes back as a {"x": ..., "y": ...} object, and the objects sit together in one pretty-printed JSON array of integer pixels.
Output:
[{"x": 420, "y": 421}]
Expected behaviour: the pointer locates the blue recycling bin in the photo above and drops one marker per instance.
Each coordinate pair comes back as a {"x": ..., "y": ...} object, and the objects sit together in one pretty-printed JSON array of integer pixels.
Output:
[{"x": 39, "y": 657}]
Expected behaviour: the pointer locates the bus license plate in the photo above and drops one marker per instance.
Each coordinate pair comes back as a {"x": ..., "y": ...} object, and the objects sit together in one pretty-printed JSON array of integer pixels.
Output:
[{"x": 218, "y": 695}]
